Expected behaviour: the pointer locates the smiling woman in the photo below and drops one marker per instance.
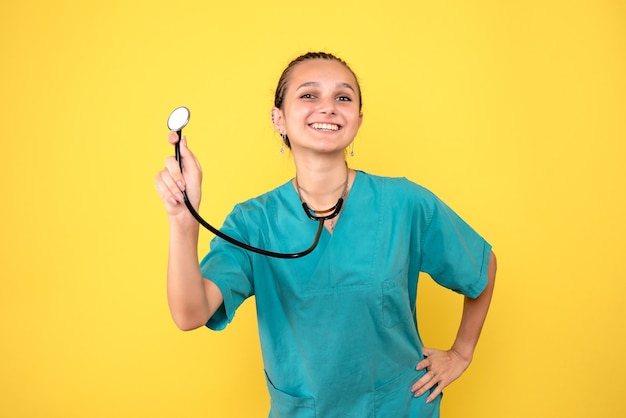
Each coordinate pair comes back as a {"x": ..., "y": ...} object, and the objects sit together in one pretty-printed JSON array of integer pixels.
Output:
[
  {"x": 352, "y": 83},
  {"x": 320, "y": 110},
  {"x": 512, "y": 112},
  {"x": 337, "y": 327}
]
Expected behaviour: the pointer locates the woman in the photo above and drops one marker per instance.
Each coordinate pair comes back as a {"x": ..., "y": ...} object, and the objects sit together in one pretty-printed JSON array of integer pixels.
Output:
[{"x": 338, "y": 328}]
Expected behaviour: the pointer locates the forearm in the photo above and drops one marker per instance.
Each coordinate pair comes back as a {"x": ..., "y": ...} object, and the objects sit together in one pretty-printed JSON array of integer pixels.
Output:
[
  {"x": 474, "y": 314},
  {"x": 186, "y": 294}
]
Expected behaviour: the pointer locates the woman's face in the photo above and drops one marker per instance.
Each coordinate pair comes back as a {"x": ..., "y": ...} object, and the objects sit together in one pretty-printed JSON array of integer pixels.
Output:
[{"x": 320, "y": 111}]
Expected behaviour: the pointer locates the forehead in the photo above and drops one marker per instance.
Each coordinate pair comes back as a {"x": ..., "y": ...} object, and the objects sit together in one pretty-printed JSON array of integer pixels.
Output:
[{"x": 321, "y": 71}]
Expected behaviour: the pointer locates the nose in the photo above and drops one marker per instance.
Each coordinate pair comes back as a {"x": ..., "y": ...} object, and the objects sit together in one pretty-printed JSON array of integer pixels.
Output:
[{"x": 328, "y": 106}]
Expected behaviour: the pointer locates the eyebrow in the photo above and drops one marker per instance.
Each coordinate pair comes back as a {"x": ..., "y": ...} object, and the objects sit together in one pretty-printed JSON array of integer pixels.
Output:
[{"x": 317, "y": 84}]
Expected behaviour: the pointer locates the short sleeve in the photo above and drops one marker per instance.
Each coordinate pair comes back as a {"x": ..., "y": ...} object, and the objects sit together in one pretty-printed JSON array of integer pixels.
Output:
[
  {"x": 230, "y": 269},
  {"x": 453, "y": 254}
]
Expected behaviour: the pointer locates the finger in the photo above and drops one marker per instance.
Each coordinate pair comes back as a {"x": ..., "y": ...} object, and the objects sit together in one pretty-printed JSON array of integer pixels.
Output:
[
  {"x": 176, "y": 177},
  {"x": 167, "y": 188},
  {"x": 424, "y": 364},
  {"x": 424, "y": 383},
  {"x": 435, "y": 392},
  {"x": 424, "y": 389},
  {"x": 167, "y": 198}
]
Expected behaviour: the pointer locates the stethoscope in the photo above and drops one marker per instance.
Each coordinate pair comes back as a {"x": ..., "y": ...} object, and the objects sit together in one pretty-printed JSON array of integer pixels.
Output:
[{"x": 177, "y": 120}]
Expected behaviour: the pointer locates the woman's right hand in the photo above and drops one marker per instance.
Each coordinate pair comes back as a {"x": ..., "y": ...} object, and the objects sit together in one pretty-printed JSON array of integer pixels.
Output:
[
  {"x": 192, "y": 299},
  {"x": 170, "y": 182}
]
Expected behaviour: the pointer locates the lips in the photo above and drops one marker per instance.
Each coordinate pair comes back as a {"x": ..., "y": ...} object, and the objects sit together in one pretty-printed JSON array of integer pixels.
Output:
[{"x": 325, "y": 126}]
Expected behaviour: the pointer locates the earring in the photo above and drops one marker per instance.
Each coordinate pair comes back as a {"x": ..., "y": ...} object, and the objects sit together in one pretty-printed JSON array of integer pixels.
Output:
[
  {"x": 352, "y": 149},
  {"x": 282, "y": 146}
]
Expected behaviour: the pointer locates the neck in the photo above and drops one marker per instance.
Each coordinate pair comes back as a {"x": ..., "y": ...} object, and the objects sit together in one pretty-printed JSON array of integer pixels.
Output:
[{"x": 321, "y": 185}]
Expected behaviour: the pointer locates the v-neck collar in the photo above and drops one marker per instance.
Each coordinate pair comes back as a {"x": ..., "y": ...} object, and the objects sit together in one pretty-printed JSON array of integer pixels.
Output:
[{"x": 293, "y": 196}]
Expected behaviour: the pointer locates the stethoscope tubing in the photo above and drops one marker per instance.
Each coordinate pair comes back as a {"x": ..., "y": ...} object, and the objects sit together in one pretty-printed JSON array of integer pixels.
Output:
[{"x": 234, "y": 241}]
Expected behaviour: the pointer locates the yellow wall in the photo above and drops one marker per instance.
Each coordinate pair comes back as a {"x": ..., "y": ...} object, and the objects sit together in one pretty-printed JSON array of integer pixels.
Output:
[{"x": 513, "y": 112}]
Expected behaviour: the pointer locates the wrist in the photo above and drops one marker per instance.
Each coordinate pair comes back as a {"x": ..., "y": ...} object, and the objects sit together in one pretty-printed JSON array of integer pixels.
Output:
[
  {"x": 465, "y": 352},
  {"x": 183, "y": 223}
]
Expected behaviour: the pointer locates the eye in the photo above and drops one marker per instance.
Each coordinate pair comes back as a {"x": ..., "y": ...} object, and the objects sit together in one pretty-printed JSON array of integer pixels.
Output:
[
  {"x": 307, "y": 96},
  {"x": 344, "y": 99}
]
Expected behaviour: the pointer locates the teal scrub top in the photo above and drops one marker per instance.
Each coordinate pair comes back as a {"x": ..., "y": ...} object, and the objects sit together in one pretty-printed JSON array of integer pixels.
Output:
[{"x": 338, "y": 327}]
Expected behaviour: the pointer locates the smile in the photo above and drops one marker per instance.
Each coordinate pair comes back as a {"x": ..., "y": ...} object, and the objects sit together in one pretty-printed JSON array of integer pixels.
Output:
[{"x": 325, "y": 126}]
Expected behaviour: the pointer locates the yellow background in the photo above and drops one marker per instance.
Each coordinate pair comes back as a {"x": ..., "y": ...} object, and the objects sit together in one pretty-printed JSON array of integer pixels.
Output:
[{"x": 512, "y": 112}]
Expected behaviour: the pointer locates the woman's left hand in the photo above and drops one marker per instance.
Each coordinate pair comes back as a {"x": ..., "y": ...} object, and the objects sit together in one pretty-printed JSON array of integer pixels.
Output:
[{"x": 444, "y": 367}]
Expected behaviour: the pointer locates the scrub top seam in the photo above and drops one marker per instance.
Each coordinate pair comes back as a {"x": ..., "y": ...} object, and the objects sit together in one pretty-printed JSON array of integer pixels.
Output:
[{"x": 377, "y": 251}]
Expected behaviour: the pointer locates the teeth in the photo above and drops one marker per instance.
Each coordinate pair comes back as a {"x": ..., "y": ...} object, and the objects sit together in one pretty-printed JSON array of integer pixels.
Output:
[{"x": 325, "y": 126}]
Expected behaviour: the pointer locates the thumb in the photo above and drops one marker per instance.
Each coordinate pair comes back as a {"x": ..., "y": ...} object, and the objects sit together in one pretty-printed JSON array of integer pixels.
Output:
[{"x": 427, "y": 351}]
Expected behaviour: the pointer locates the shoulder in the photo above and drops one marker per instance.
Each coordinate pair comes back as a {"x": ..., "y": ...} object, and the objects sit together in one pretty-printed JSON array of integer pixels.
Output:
[
  {"x": 256, "y": 208},
  {"x": 397, "y": 187},
  {"x": 268, "y": 197}
]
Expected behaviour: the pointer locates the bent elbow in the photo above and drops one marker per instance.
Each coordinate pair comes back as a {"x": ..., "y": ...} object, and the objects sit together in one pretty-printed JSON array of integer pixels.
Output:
[
  {"x": 188, "y": 323},
  {"x": 187, "y": 326}
]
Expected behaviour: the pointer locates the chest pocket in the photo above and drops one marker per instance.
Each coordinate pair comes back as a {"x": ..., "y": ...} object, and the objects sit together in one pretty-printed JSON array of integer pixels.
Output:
[{"x": 396, "y": 306}]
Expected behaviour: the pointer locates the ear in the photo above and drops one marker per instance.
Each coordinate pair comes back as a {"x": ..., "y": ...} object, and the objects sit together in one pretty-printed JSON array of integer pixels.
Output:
[
  {"x": 360, "y": 118},
  {"x": 278, "y": 120}
]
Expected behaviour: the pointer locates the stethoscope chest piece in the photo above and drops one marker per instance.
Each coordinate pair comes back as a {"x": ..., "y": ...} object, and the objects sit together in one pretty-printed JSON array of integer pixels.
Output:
[{"x": 179, "y": 118}]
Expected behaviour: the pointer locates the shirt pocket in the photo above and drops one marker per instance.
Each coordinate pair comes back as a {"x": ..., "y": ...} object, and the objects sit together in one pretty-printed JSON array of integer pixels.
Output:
[
  {"x": 284, "y": 405},
  {"x": 396, "y": 306}
]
